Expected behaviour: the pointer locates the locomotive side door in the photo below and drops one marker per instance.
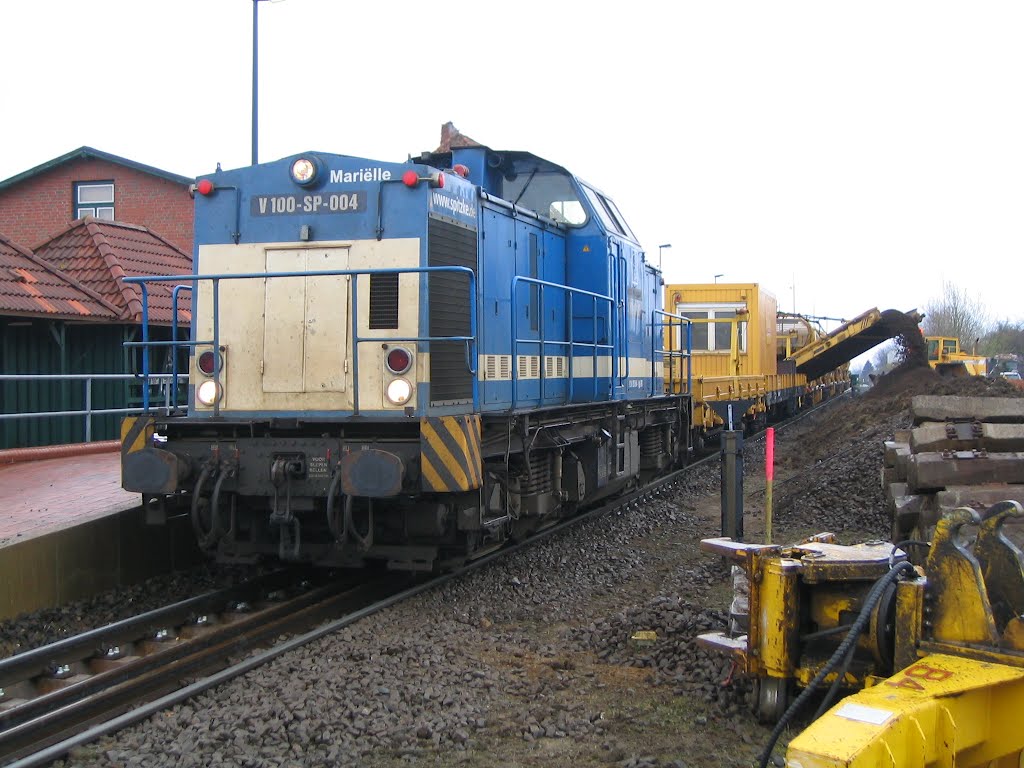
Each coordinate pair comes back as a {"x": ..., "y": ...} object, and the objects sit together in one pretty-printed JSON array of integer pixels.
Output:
[
  {"x": 307, "y": 328},
  {"x": 620, "y": 282}
]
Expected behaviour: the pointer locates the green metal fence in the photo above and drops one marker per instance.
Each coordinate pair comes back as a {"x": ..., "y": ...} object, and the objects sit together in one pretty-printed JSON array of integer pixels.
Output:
[{"x": 91, "y": 416}]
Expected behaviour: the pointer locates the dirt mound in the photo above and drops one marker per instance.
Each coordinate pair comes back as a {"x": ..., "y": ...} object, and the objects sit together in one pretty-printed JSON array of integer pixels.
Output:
[
  {"x": 843, "y": 444},
  {"x": 911, "y": 378}
]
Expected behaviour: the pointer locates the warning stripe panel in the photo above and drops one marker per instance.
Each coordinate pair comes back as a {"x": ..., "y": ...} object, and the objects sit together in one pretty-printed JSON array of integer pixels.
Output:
[
  {"x": 450, "y": 456},
  {"x": 136, "y": 433}
]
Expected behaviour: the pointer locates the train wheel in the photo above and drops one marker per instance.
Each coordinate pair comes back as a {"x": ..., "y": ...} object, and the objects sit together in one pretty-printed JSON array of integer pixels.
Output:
[{"x": 771, "y": 698}]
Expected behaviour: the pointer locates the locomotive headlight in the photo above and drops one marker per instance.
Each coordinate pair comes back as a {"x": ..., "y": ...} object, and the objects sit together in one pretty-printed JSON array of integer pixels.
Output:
[
  {"x": 399, "y": 391},
  {"x": 304, "y": 171},
  {"x": 208, "y": 392}
]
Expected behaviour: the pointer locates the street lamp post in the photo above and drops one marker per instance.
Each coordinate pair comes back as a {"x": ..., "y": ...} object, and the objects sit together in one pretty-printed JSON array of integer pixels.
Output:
[
  {"x": 255, "y": 78},
  {"x": 660, "y": 249},
  {"x": 720, "y": 274}
]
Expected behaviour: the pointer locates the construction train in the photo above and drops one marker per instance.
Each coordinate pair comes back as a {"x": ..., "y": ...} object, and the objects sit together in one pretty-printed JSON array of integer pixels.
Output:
[{"x": 415, "y": 362}]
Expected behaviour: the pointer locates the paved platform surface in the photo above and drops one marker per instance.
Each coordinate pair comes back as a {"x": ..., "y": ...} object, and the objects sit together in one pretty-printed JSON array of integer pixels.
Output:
[{"x": 37, "y": 497}]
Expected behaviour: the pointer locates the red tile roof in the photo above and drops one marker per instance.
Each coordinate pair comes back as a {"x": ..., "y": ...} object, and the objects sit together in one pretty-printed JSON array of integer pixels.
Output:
[
  {"x": 100, "y": 254},
  {"x": 30, "y": 287}
]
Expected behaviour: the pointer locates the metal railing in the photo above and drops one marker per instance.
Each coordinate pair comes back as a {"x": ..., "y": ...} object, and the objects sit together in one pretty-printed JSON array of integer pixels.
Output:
[
  {"x": 660, "y": 321},
  {"x": 672, "y": 323},
  {"x": 570, "y": 344},
  {"x": 164, "y": 382}
]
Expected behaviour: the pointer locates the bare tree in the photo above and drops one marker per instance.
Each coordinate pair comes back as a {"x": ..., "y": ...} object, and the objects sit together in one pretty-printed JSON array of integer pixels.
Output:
[
  {"x": 1005, "y": 337},
  {"x": 957, "y": 315}
]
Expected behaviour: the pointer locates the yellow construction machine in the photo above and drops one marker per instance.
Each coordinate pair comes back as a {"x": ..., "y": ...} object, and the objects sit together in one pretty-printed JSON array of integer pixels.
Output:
[
  {"x": 935, "y": 651},
  {"x": 945, "y": 357}
]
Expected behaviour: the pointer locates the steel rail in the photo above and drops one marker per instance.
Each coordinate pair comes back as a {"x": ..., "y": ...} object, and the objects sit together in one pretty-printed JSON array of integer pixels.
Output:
[{"x": 65, "y": 706}]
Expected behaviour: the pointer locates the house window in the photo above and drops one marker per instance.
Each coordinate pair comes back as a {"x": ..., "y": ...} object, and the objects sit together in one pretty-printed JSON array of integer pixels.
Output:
[
  {"x": 712, "y": 326},
  {"x": 94, "y": 198}
]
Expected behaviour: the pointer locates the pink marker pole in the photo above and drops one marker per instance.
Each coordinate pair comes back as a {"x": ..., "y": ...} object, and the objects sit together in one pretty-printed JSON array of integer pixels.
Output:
[{"x": 769, "y": 473}]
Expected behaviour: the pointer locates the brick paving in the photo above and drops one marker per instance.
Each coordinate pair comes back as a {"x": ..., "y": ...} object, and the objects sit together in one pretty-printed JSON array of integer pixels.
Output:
[{"x": 39, "y": 496}]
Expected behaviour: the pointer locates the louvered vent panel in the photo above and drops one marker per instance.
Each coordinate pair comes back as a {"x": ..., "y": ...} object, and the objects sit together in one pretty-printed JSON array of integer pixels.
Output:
[
  {"x": 449, "y": 245},
  {"x": 490, "y": 367},
  {"x": 506, "y": 367},
  {"x": 383, "y": 301}
]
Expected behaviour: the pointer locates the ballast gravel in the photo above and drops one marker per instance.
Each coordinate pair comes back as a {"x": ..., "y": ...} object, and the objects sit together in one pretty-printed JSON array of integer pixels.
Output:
[{"x": 579, "y": 650}]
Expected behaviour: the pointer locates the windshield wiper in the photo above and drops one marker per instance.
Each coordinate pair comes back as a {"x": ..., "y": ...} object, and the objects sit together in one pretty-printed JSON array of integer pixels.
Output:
[{"x": 527, "y": 184}]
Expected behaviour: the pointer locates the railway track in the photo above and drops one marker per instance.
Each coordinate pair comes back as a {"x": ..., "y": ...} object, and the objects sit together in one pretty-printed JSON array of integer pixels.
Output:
[
  {"x": 51, "y": 693},
  {"x": 64, "y": 695}
]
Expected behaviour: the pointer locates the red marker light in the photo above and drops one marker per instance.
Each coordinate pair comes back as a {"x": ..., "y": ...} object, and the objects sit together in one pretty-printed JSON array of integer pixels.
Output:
[
  {"x": 437, "y": 180},
  {"x": 206, "y": 362},
  {"x": 399, "y": 360},
  {"x": 410, "y": 178},
  {"x": 461, "y": 170},
  {"x": 205, "y": 187}
]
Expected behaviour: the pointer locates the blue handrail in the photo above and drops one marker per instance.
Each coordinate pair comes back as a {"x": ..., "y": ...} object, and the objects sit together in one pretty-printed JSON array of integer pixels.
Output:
[{"x": 570, "y": 343}]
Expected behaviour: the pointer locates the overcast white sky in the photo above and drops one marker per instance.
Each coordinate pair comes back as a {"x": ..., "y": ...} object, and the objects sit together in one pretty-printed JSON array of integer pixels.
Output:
[{"x": 845, "y": 155}]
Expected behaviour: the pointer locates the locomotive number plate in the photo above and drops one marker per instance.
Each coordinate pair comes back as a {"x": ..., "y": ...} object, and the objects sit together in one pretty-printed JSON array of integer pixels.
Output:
[{"x": 285, "y": 205}]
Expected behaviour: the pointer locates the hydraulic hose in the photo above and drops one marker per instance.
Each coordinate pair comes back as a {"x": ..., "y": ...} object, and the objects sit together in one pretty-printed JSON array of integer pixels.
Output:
[
  {"x": 197, "y": 523},
  {"x": 840, "y": 654},
  {"x": 332, "y": 517}
]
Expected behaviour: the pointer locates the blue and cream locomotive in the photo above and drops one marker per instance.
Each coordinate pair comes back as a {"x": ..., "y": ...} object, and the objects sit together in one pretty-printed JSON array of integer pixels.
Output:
[{"x": 408, "y": 362}]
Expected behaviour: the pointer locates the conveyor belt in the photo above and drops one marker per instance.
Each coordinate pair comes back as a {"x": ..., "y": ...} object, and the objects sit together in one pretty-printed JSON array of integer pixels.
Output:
[{"x": 853, "y": 338}]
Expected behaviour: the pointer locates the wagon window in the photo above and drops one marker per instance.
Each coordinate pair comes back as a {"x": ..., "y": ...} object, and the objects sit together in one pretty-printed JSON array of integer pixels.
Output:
[{"x": 712, "y": 326}]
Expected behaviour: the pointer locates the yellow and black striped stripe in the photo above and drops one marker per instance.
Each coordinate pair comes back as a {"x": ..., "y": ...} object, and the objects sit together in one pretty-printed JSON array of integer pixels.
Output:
[
  {"x": 450, "y": 458},
  {"x": 136, "y": 433}
]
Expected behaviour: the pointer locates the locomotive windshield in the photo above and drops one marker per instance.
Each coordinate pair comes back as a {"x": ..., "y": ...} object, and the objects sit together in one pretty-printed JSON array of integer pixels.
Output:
[
  {"x": 609, "y": 213},
  {"x": 549, "y": 192}
]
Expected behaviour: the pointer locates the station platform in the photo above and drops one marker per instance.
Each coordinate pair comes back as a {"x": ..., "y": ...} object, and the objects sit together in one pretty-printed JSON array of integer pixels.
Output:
[
  {"x": 68, "y": 530},
  {"x": 49, "y": 494}
]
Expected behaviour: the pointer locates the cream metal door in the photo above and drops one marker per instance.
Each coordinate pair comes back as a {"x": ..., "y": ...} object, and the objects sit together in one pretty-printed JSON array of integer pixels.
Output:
[{"x": 306, "y": 330}]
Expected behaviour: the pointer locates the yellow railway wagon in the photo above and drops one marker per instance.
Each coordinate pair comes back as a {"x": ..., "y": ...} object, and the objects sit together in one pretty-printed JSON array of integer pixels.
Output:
[{"x": 734, "y": 337}]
